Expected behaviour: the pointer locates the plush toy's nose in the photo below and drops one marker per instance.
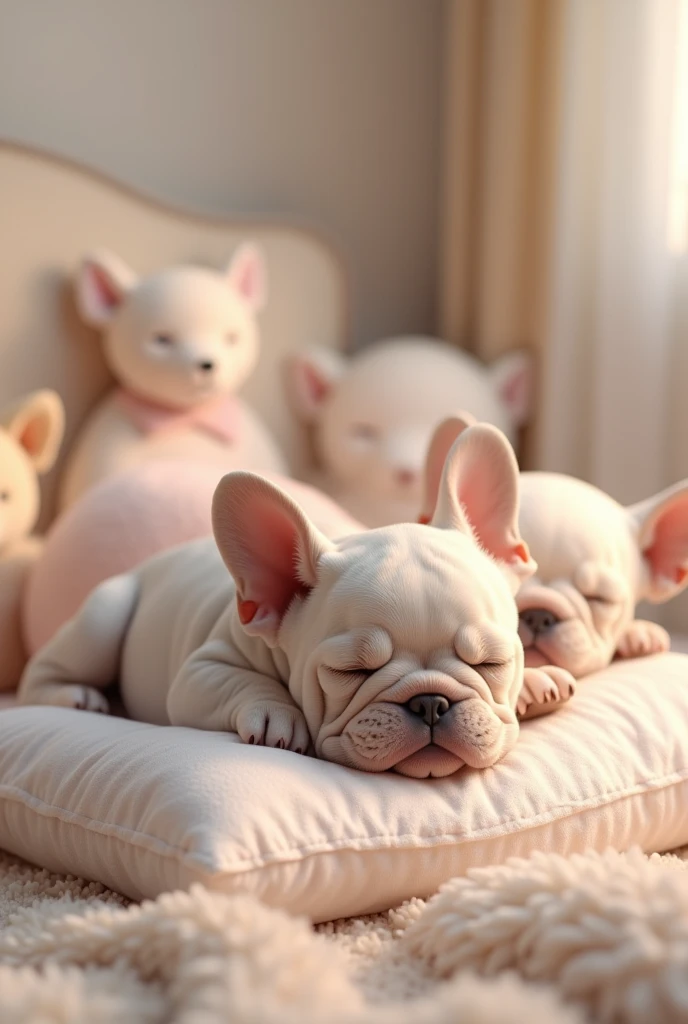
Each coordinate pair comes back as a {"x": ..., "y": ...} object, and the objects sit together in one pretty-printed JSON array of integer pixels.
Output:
[
  {"x": 428, "y": 706},
  {"x": 539, "y": 619},
  {"x": 207, "y": 365},
  {"x": 406, "y": 477}
]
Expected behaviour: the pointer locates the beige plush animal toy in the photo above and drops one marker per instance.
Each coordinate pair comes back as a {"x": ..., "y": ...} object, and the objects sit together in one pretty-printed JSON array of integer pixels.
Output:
[
  {"x": 30, "y": 436},
  {"x": 180, "y": 343}
]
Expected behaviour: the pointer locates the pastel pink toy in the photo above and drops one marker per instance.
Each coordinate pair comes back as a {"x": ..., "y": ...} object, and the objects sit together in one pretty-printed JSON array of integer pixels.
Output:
[
  {"x": 126, "y": 519},
  {"x": 180, "y": 344},
  {"x": 31, "y": 431},
  {"x": 372, "y": 415}
]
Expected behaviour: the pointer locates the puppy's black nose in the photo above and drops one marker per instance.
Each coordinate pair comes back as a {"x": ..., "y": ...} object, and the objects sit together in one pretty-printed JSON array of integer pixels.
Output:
[
  {"x": 207, "y": 365},
  {"x": 428, "y": 706},
  {"x": 539, "y": 619}
]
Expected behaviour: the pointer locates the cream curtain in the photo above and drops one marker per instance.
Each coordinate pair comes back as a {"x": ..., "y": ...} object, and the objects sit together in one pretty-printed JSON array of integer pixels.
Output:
[
  {"x": 501, "y": 66},
  {"x": 562, "y": 148}
]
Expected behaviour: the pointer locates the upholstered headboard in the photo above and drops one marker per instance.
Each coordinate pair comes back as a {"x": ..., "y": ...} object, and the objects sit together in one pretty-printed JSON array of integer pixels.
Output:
[{"x": 52, "y": 211}]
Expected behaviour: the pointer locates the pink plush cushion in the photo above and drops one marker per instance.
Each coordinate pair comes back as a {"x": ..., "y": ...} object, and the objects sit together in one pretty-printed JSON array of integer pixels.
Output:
[
  {"x": 130, "y": 517},
  {"x": 115, "y": 526}
]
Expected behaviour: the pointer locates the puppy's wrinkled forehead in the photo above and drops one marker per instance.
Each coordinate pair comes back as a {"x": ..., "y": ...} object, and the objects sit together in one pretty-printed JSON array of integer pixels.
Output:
[{"x": 419, "y": 583}]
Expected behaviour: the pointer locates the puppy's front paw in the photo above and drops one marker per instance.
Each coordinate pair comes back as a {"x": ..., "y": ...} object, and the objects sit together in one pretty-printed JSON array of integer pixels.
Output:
[
  {"x": 274, "y": 725},
  {"x": 544, "y": 690},
  {"x": 83, "y": 698},
  {"x": 642, "y": 638}
]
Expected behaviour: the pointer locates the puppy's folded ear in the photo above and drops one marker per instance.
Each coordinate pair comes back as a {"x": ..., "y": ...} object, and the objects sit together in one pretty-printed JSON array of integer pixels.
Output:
[
  {"x": 269, "y": 546},
  {"x": 478, "y": 494},
  {"x": 440, "y": 445},
  {"x": 661, "y": 526}
]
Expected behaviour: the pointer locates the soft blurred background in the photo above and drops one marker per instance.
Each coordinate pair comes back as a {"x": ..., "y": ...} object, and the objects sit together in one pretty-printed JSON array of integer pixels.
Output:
[{"x": 501, "y": 173}]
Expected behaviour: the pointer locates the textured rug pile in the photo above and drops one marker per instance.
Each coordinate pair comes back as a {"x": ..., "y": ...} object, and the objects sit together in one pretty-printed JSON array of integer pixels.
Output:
[{"x": 547, "y": 940}]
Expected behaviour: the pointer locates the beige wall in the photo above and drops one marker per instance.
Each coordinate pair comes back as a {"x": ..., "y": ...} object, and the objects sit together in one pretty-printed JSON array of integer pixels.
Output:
[{"x": 326, "y": 110}]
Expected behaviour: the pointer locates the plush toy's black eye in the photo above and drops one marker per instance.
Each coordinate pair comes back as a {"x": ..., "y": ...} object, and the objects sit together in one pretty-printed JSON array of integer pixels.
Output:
[
  {"x": 164, "y": 340},
  {"x": 4, "y": 495}
]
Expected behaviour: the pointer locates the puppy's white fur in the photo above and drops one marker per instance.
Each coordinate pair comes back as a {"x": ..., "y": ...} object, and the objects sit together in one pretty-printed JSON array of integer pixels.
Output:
[{"x": 395, "y": 648}]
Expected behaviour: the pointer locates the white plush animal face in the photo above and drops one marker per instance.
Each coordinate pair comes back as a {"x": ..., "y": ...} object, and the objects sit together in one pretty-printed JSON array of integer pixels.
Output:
[
  {"x": 596, "y": 560},
  {"x": 179, "y": 337},
  {"x": 30, "y": 436},
  {"x": 400, "y": 644},
  {"x": 374, "y": 415}
]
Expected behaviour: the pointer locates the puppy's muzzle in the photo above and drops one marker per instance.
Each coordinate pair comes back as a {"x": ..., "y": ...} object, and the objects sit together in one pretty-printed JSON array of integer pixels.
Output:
[
  {"x": 429, "y": 707},
  {"x": 539, "y": 620}
]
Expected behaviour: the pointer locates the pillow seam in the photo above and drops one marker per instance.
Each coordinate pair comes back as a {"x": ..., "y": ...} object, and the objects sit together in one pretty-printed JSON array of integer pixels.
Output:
[{"x": 163, "y": 848}]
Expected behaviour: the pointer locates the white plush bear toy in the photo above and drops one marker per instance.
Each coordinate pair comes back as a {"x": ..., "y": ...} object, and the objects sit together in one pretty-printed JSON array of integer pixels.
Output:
[
  {"x": 180, "y": 344},
  {"x": 30, "y": 435},
  {"x": 373, "y": 415}
]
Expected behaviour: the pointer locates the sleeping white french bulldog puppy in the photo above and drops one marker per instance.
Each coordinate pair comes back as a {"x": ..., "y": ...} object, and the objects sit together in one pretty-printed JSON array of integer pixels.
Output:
[
  {"x": 596, "y": 560},
  {"x": 395, "y": 648}
]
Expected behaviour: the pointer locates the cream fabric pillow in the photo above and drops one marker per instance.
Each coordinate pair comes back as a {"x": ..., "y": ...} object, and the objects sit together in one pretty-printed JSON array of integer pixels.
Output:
[{"x": 146, "y": 809}]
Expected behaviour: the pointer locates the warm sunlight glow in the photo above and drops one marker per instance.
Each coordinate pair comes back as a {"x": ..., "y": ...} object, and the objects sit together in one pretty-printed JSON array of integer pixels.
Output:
[{"x": 678, "y": 193}]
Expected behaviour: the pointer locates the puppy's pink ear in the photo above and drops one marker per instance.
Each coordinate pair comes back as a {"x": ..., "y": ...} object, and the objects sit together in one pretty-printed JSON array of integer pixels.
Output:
[
  {"x": 247, "y": 274},
  {"x": 310, "y": 380},
  {"x": 269, "y": 546},
  {"x": 479, "y": 495},
  {"x": 36, "y": 422},
  {"x": 440, "y": 444},
  {"x": 101, "y": 283},
  {"x": 661, "y": 524},
  {"x": 512, "y": 376}
]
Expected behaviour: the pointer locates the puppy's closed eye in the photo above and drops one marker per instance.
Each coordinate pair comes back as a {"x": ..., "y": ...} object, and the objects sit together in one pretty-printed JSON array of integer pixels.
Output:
[
  {"x": 599, "y": 601},
  {"x": 342, "y": 678},
  {"x": 493, "y": 670}
]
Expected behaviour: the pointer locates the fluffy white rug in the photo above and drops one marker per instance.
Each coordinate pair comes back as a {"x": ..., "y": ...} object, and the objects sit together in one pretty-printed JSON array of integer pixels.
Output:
[{"x": 543, "y": 941}]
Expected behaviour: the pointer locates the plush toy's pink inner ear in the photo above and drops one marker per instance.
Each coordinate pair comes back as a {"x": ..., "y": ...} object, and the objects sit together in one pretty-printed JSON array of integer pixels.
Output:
[
  {"x": 32, "y": 436},
  {"x": 667, "y": 552},
  {"x": 247, "y": 276},
  {"x": 101, "y": 293},
  {"x": 512, "y": 376},
  {"x": 268, "y": 546},
  {"x": 514, "y": 390},
  {"x": 316, "y": 384},
  {"x": 37, "y": 425},
  {"x": 107, "y": 293},
  {"x": 309, "y": 385}
]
